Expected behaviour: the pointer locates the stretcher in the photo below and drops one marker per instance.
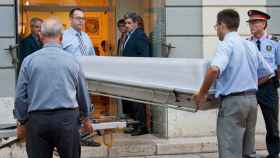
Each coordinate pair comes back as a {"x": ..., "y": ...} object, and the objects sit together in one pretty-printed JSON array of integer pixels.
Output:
[{"x": 168, "y": 82}]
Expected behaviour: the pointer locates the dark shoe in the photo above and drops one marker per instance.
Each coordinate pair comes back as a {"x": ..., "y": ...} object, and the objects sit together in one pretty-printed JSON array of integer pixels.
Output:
[
  {"x": 272, "y": 156},
  {"x": 128, "y": 130},
  {"x": 254, "y": 156},
  {"x": 89, "y": 142},
  {"x": 139, "y": 132},
  {"x": 269, "y": 156}
]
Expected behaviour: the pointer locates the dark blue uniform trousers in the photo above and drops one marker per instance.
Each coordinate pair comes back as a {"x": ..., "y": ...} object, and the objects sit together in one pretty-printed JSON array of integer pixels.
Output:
[
  {"x": 267, "y": 97},
  {"x": 49, "y": 129}
]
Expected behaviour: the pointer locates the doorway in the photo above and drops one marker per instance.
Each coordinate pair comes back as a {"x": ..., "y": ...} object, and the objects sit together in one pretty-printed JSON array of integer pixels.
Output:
[{"x": 101, "y": 19}]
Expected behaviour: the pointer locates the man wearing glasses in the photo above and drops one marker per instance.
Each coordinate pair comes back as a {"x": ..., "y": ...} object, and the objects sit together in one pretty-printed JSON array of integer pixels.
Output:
[
  {"x": 75, "y": 41},
  {"x": 236, "y": 69},
  {"x": 267, "y": 94}
]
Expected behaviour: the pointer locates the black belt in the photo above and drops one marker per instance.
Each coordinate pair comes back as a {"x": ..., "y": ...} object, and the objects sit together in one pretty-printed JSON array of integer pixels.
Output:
[
  {"x": 269, "y": 82},
  {"x": 244, "y": 93},
  {"x": 54, "y": 110}
]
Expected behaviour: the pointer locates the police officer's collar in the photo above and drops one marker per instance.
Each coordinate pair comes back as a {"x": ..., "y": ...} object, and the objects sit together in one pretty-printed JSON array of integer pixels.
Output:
[
  {"x": 52, "y": 44},
  {"x": 265, "y": 36}
]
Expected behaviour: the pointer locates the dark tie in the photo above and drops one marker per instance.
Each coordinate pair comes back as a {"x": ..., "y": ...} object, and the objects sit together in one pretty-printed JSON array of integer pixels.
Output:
[
  {"x": 259, "y": 44},
  {"x": 82, "y": 44}
]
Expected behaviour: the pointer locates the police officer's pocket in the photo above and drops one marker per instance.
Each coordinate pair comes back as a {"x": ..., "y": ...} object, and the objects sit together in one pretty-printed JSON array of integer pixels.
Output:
[{"x": 225, "y": 107}]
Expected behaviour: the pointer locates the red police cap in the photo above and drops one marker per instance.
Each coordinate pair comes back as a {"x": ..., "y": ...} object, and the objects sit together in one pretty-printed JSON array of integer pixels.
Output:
[{"x": 257, "y": 15}]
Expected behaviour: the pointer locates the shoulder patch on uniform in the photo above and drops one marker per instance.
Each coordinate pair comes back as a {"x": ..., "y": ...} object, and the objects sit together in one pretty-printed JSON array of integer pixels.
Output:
[
  {"x": 274, "y": 38},
  {"x": 269, "y": 48}
]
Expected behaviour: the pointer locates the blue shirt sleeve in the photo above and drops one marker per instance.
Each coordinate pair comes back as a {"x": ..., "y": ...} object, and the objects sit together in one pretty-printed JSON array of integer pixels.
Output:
[
  {"x": 221, "y": 58},
  {"x": 277, "y": 53},
  {"x": 21, "y": 98},
  {"x": 263, "y": 68},
  {"x": 66, "y": 40},
  {"x": 83, "y": 95}
]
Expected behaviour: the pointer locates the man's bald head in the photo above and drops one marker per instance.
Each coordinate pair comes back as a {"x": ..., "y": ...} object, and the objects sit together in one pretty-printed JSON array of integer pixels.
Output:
[
  {"x": 52, "y": 27},
  {"x": 51, "y": 30}
]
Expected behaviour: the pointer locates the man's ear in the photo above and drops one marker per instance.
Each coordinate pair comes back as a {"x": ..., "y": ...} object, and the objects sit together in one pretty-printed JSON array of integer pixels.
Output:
[
  {"x": 224, "y": 26},
  {"x": 60, "y": 38}
]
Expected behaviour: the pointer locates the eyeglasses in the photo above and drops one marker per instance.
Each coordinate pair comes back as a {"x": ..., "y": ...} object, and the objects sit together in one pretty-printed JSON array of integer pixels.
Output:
[{"x": 79, "y": 18}]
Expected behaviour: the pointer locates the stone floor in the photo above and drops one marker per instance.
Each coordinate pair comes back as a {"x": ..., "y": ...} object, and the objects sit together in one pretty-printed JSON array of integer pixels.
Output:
[
  {"x": 149, "y": 146},
  {"x": 146, "y": 146},
  {"x": 197, "y": 155}
]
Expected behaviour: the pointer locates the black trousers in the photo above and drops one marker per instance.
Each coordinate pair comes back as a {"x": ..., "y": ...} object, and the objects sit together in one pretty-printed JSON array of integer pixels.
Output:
[
  {"x": 49, "y": 129},
  {"x": 137, "y": 111},
  {"x": 267, "y": 97}
]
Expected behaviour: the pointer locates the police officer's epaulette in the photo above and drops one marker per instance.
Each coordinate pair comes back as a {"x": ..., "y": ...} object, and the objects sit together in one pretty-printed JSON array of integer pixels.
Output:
[
  {"x": 250, "y": 38},
  {"x": 274, "y": 38}
]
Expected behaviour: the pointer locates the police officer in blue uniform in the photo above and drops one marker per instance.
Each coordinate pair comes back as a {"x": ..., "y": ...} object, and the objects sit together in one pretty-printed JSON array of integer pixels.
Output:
[{"x": 267, "y": 95}]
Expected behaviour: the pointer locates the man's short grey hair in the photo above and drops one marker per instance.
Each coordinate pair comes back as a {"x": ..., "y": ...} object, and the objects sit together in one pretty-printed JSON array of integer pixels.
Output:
[
  {"x": 34, "y": 20},
  {"x": 52, "y": 27}
]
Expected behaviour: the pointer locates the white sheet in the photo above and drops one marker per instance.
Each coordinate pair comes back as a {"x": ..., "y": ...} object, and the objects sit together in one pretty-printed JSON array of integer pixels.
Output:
[{"x": 185, "y": 75}]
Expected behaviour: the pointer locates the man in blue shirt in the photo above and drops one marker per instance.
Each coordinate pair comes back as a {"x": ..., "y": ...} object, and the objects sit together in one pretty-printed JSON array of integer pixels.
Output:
[
  {"x": 236, "y": 68},
  {"x": 50, "y": 93},
  {"x": 267, "y": 94},
  {"x": 75, "y": 41}
]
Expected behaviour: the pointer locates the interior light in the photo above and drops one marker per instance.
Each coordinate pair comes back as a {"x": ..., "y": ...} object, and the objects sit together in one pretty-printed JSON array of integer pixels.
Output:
[{"x": 27, "y": 3}]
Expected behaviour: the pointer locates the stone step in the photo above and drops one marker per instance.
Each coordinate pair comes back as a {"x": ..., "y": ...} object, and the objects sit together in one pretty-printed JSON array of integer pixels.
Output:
[
  {"x": 261, "y": 154},
  {"x": 146, "y": 146},
  {"x": 126, "y": 145},
  {"x": 195, "y": 145},
  {"x": 18, "y": 151}
]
